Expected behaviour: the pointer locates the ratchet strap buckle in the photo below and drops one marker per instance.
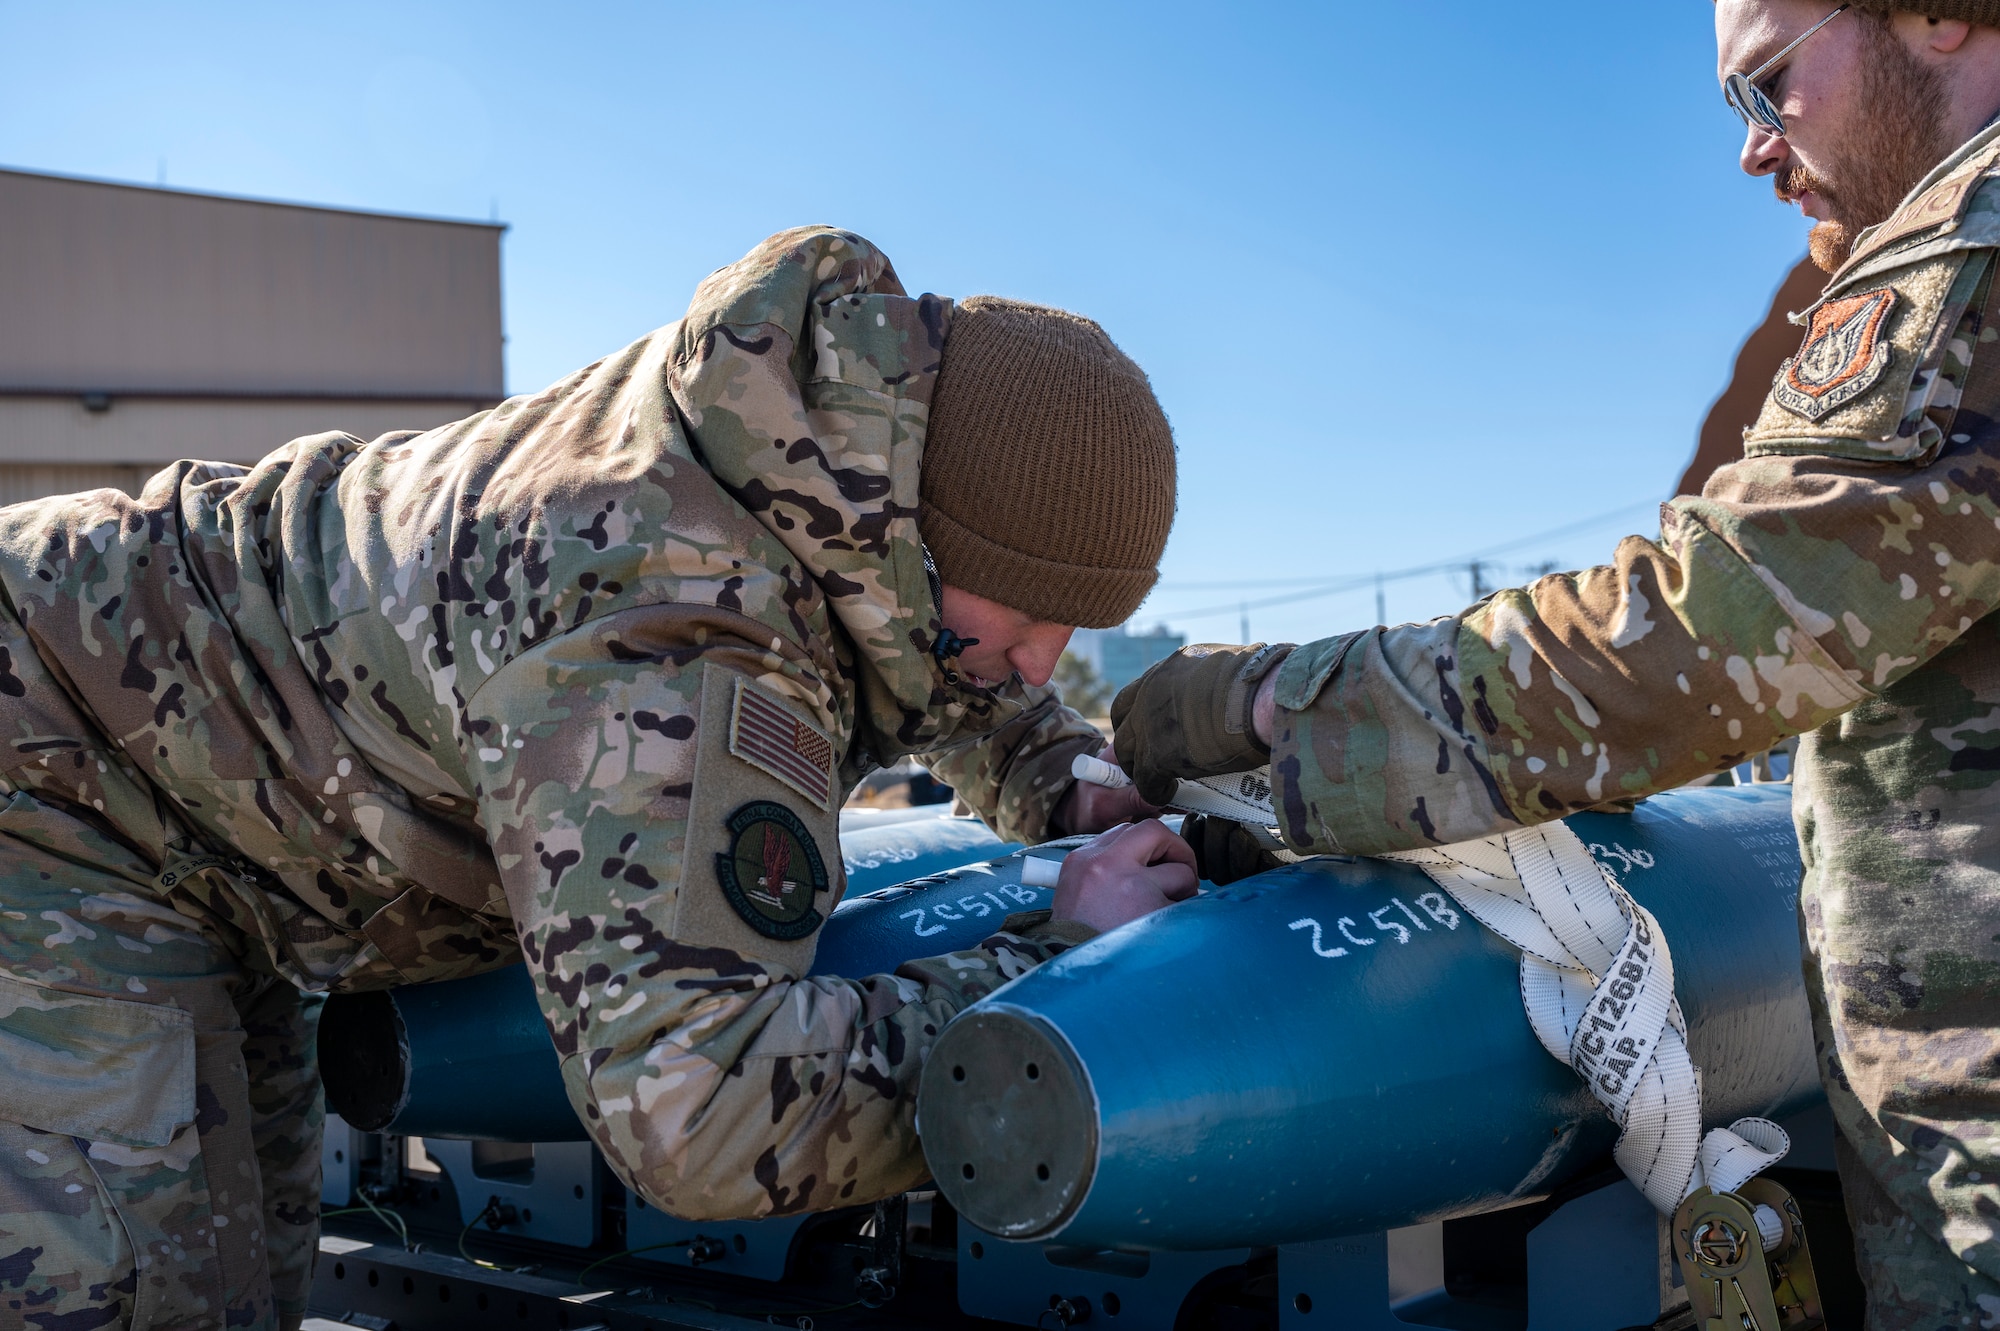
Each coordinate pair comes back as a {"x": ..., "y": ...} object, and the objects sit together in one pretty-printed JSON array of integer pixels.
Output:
[{"x": 1738, "y": 1277}]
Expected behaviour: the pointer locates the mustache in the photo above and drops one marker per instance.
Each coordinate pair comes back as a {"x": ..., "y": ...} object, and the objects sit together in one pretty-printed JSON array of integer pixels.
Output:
[{"x": 1796, "y": 180}]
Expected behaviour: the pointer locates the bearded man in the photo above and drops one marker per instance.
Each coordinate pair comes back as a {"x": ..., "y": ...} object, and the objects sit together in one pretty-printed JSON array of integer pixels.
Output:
[
  {"x": 585, "y": 678},
  {"x": 1837, "y": 583}
]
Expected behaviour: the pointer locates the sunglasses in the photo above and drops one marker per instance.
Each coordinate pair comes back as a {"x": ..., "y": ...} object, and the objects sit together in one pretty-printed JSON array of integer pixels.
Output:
[{"x": 1748, "y": 100}]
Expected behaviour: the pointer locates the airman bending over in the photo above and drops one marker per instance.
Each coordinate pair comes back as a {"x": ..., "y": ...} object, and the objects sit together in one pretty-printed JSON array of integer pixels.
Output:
[{"x": 582, "y": 679}]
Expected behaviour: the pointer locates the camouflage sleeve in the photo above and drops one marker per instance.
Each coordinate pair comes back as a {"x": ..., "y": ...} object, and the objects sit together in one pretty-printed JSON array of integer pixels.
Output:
[
  {"x": 1014, "y": 775},
  {"x": 664, "y": 819},
  {"x": 1853, "y": 542}
]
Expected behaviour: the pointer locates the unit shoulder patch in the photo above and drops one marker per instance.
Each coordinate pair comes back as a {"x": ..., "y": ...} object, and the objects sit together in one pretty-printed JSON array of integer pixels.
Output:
[
  {"x": 772, "y": 873},
  {"x": 774, "y": 739},
  {"x": 1844, "y": 355}
]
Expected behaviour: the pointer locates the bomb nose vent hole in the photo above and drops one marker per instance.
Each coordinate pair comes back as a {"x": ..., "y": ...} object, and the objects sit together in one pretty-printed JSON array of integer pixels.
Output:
[
  {"x": 958, "y": 1074},
  {"x": 1303, "y": 1302},
  {"x": 1042, "y": 1173},
  {"x": 967, "y": 1170},
  {"x": 1034, "y": 1072}
]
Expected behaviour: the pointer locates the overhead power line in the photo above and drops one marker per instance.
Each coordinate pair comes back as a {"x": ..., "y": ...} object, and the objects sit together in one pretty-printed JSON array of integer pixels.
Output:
[{"x": 1354, "y": 582}]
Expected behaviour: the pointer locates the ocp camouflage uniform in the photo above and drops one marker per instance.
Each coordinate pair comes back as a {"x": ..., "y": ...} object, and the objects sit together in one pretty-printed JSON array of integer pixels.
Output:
[
  {"x": 1839, "y": 583},
  {"x": 592, "y": 670}
]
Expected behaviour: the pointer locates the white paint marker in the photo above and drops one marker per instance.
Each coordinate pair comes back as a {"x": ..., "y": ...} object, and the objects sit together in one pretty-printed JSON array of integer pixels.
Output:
[
  {"x": 1097, "y": 772},
  {"x": 1038, "y": 872}
]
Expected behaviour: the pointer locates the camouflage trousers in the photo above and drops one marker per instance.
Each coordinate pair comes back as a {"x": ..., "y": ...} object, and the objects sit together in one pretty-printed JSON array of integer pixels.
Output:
[
  {"x": 1898, "y": 811},
  {"x": 160, "y": 1107},
  {"x": 1915, "y": 1282}
]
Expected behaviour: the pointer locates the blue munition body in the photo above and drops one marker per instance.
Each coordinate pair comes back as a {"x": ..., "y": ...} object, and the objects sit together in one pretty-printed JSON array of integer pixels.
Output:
[
  {"x": 1312, "y": 1053},
  {"x": 475, "y": 1060},
  {"x": 878, "y": 855}
]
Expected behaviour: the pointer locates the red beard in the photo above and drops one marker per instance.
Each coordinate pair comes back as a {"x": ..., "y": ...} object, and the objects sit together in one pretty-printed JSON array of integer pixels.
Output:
[{"x": 1869, "y": 171}]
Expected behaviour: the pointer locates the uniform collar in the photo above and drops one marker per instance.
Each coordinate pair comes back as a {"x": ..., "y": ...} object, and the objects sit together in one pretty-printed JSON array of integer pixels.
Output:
[{"x": 1936, "y": 204}]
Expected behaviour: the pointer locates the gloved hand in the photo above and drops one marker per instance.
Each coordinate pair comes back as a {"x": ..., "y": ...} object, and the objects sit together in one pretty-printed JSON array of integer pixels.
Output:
[
  {"x": 1225, "y": 850},
  {"x": 1189, "y": 716}
]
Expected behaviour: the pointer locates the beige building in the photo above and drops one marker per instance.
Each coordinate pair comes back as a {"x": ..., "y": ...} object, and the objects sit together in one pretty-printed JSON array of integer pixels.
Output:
[{"x": 139, "y": 326}]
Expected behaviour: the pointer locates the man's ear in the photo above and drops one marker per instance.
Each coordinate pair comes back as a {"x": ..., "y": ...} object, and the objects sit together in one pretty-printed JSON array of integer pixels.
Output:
[{"x": 1947, "y": 34}]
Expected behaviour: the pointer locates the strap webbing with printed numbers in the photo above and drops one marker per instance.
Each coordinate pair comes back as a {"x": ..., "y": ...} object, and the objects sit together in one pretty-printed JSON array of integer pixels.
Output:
[
  {"x": 1597, "y": 982},
  {"x": 1241, "y": 797}
]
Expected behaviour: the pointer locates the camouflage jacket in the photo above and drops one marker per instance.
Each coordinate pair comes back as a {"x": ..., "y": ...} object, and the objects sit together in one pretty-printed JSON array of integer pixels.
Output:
[
  {"x": 591, "y": 671},
  {"x": 1837, "y": 582}
]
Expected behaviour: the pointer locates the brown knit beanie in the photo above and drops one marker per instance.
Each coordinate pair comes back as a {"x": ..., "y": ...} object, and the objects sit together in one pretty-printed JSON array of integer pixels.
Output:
[
  {"x": 1048, "y": 467},
  {"x": 1983, "y": 12}
]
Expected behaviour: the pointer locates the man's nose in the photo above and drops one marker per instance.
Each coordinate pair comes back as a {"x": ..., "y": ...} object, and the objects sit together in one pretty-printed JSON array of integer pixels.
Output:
[
  {"x": 1764, "y": 153},
  {"x": 1036, "y": 664},
  {"x": 1036, "y": 657}
]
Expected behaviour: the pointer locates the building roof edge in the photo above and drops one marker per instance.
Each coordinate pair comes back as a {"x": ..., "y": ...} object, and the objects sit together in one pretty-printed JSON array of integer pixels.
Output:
[{"x": 104, "y": 183}]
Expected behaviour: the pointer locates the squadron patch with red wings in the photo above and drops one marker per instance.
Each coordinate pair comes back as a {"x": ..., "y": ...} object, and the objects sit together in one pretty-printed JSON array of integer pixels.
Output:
[
  {"x": 772, "y": 873},
  {"x": 1843, "y": 356}
]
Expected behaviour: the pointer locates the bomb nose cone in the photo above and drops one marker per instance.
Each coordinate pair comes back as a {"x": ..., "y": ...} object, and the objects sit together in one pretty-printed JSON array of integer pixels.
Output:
[
  {"x": 365, "y": 1060},
  {"x": 1009, "y": 1122}
]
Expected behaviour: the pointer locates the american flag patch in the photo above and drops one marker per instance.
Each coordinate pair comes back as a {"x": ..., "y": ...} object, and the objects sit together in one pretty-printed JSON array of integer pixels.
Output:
[{"x": 764, "y": 733}]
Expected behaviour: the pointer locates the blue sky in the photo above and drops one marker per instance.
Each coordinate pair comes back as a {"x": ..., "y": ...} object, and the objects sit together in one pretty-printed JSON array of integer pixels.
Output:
[{"x": 1412, "y": 282}]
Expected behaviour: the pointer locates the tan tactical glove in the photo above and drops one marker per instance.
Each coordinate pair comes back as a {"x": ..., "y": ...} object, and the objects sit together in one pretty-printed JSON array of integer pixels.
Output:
[
  {"x": 1225, "y": 851},
  {"x": 1189, "y": 716}
]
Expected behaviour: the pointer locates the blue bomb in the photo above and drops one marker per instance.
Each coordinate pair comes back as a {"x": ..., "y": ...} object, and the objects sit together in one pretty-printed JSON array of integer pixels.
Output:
[{"x": 1336, "y": 1047}]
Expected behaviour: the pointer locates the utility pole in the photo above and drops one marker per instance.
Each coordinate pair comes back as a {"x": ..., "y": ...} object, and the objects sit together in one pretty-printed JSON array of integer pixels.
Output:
[
  {"x": 1479, "y": 587},
  {"x": 1381, "y": 602},
  {"x": 1246, "y": 623}
]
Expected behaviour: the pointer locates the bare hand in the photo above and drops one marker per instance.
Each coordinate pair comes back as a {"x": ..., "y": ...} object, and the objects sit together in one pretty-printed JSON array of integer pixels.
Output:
[
  {"x": 1130, "y": 871},
  {"x": 1264, "y": 709},
  {"x": 1088, "y": 808}
]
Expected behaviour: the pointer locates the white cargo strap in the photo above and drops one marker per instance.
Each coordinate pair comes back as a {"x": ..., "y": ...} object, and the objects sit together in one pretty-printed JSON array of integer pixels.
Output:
[
  {"x": 1597, "y": 981},
  {"x": 1241, "y": 797}
]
